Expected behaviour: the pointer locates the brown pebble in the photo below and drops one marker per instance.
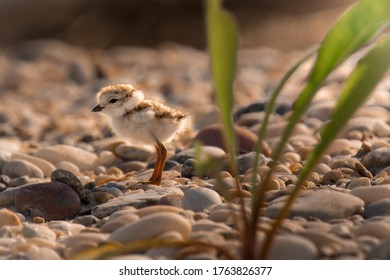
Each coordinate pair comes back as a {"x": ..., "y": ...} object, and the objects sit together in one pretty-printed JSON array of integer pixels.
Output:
[
  {"x": 102, "y": 197},
  {"x": 51, "y": 201}
]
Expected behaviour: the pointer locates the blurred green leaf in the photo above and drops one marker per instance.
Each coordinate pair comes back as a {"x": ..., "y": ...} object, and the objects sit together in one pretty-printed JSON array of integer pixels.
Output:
[
  {"x": 359, "y": 85},
  {"x": 222, "y": 41}
]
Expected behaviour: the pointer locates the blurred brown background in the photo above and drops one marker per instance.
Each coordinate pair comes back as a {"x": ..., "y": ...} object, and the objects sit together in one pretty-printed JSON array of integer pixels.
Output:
[{"x": 281, "y": 24}]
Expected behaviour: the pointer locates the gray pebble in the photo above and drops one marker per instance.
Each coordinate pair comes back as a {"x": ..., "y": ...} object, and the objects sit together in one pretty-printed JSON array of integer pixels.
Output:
[
  {"x": 199, "y": 199},
  {"x": 16, "y": 182},
  {"x": 378, "y": 208},
  {"x": 323, "y": 204},
  {"x": 18, "y": 168},
  {"x": 293, "y": 247}
]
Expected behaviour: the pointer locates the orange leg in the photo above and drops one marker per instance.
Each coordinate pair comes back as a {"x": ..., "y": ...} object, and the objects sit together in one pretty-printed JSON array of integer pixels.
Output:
[{"x": 162, "y": 153}]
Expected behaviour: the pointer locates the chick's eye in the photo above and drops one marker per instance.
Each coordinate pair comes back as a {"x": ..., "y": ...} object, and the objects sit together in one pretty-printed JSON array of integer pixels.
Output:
[{"x": 113, "y": 100}]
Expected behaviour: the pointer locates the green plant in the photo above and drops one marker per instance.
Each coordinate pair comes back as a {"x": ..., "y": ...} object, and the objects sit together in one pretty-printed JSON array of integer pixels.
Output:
[{"x": 354, "y": 29}]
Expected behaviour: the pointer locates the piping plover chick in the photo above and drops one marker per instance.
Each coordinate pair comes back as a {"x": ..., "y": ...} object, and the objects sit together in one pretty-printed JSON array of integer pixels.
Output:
[{"x": 141, "y": 121}]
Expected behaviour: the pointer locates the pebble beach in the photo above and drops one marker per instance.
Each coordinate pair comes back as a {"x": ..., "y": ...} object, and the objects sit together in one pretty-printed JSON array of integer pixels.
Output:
[{"x": 67, "y": 184}]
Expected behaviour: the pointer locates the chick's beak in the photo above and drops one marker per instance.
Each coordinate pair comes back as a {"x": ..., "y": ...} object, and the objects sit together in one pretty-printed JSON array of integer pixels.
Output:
[{"x": 98, "y": 108}]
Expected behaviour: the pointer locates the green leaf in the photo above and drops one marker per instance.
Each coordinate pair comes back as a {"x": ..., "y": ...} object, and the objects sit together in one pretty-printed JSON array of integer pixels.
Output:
[
  {"x": 359, "y": 85},
  {"x": 351, "y": 32},
  {"x": 222, "y": 41}
]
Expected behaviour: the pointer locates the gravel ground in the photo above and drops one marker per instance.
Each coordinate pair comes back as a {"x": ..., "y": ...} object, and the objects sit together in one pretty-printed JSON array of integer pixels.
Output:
[{"x": 63, "y": 187}]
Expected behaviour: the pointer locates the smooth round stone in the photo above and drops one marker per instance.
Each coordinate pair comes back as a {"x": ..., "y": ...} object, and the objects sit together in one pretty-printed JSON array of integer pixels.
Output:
[
  {"x": 321, "y": 110},
  {"x": 113, "y": 224},
  {"x": 378, "y": 208},
  {"x": 72, "y": 251},
  {"x": 368, "y": 124},
  {"x": 46, "y": 167},
  {"x": 380, "y": 230},
  {"x": 151, "y": 226},
  {"x": 102, "y": 197},
  {"x": 81, "y": 158},
  {"x": 133, "y": 165},
  {"x": 377, "y": 159},
  {"x": 66, "y": 228},
  {"x": 128, "y": 152},
  {"x": 199, "y": 199},
  {"x": 213, "y": 136},
  {"x": 344, "y": 147},
  {"x": 293, "y": 247},
  {"x": 206, "y": 153},
  {"x": 246, "y": 161},
  {"x": 7, "y": 197},
  {"x": 106, "y": 157},
  {"x": 114, "y": 191},
  {"x": 51, "y": 201},
  {"x": 156, "y": 209},
  {"x": 70, "y": 241},
  {"x": 18, "y": 168},
  {"x": 172, "y": 199},
  {"x": 20, "y": 181},
  {"x": 359, "y": 182},
  {"x": 381, "y": 251},
  {"x": 66, "y": 165},
  {"x": 66, "y": 177},
  {"x": 372, "y": 194},
  {"x": 87, "y": 220},
  {"x": 8, "y": 218},
  {"x": 322, "y": 204},
  {"x": 36, "y": 253},
  {"x": 208, "y": 225},
  {"x": 34, "y": 230},
  {"x": 9, "y": 145}
]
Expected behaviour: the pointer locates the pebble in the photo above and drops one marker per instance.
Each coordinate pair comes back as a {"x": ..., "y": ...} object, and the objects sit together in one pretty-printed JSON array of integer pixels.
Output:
[
  {"x": 206, "y": 152},
  {"x": 372, "y": 194},
  {"x": 46, "y": 167},
  {"x": 207, "y": 225},
  {"x": 293, "y": 247},
  {"x": 87, "y": 220},
  {"x": 34, "y": 230},
  {"x": 106, "y": 158},
  {"x": 137, "y": 200},
  {"x": 18, "y": 168},
  {"x": 322, "y": 204},
  {"x": 115, "y": 223},
  {"x": 199, "y": 199},
  {"x": 7, "y": 197},
  {"x": 130, "y": 166},
  {"x": 81, "y": 158},
  {"x": 172, "y": 199},
  {"x": 151, "y": 226},
  {"x": 9, "y": 145},
  {"x": 377, "y": 160},
  {"x": 128, "y": 152},
  {"x": 68, "y": 166},
  {"x": 8, "y": 218},
  {"x": 66, "y": 177},
  {"x": 377, "y": 208},
  {"x": 51, "y": 201},
  {"x": 213, "y": 136},
  {"x": 66, "y": 228},
  {"x": 381, "y": 251},
  {"x": 342, "y": 146},
  {"x": 112, "y": 190},
  {"x": 359, "y": 182},
  {"x": 156, "y": 209},
  {"x": 376, "y": 229}
]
